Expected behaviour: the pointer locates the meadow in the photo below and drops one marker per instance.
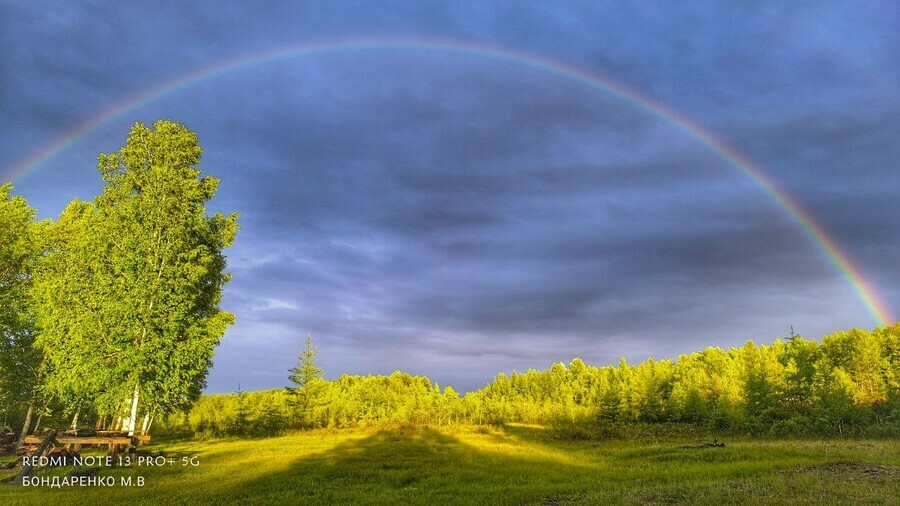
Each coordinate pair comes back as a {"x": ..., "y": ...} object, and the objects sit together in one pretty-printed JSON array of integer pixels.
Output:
[{"x": 513, "y": 464}]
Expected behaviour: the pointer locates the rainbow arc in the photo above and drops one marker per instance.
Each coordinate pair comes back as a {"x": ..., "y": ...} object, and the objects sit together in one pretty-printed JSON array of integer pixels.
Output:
[{"x": 863, "y": 288}]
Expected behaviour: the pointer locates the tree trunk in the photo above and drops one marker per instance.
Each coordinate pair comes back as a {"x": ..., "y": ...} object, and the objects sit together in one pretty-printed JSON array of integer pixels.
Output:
[
  {"x": 75, "y": 419},
  {"x": 37, "y": 425},
  {"x": 146, "y": 423},
  {"x": 122, "y": 414},
  {"x": 134, "y": 407},
  {"x": 26, "y": 425}
]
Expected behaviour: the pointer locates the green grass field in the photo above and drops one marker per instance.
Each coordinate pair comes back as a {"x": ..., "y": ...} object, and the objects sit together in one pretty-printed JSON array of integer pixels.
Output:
[{"x": 512, "y": 465}]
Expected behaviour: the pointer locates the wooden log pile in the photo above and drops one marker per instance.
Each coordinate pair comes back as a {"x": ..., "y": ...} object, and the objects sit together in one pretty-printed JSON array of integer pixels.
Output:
[{"x": 7, "y": 442}]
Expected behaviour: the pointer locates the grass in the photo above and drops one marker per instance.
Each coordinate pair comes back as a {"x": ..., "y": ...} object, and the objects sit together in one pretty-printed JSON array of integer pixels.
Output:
[{"x": 512, "y": 465}]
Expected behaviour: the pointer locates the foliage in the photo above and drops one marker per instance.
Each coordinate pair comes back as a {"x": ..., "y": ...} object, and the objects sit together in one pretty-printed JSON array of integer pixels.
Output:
[
  {"x": 128, "y": 291},
  {"x": 19, "y": 248},
  {"x": 307, "y": 378},
  {"x": 349, "y": 401},
  {"x": 792, "y": 387}
]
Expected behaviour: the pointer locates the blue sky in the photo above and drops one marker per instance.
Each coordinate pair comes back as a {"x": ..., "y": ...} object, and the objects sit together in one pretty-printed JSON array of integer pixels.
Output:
[{"x": 456, "y": 215}]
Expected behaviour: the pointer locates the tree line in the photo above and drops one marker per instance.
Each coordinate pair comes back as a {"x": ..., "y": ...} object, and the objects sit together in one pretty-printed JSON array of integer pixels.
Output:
[
  {"x": 109, "y": 314},
  {"x": 848, "y": 383}
]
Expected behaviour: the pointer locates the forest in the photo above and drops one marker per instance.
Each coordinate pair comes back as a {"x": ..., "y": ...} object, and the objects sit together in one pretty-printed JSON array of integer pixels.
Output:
[{"x": 846, "y": 385}]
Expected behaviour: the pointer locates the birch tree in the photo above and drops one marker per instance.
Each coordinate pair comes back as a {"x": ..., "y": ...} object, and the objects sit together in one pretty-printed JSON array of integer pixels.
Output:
[
  {"x": 132, "y": 287},
  {"x": 19, "y": 360}
]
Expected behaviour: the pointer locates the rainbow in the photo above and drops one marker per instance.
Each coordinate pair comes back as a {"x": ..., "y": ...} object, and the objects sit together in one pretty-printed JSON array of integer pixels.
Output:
[{"x": 864, "y": 289}]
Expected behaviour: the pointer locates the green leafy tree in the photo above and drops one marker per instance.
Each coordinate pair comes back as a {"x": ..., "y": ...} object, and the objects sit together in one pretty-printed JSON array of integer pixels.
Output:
[
  {"x": 67, "y": 311},
  {"x": 133, "y": 281},
  {"x": 242, "y": 419},
  {"x": 19, "y": 360},
  {"x": 306, "y": 375},
  {"x": 890, "y": 342}
]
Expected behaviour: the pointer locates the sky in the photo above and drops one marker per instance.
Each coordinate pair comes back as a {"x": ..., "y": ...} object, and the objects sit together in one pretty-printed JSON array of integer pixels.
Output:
[{"x": 457, "y": 189}]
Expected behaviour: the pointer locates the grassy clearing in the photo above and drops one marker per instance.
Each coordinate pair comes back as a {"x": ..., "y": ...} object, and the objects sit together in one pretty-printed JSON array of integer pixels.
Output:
[{"x": 515, "y": 465}]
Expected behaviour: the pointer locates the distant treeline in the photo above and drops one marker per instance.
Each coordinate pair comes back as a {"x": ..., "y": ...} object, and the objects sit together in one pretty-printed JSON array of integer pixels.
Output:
[{"x": 849, "y": 384}]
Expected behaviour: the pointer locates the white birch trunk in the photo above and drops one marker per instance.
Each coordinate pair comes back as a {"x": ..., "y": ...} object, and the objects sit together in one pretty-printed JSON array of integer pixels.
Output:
[
  {"x": 134, "y": 407},
  {"x": 26, "y": 425}
]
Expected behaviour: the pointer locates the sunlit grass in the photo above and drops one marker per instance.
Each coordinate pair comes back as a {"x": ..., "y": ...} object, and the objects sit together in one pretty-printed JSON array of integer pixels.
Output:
[{"x": 483, "y": 465}]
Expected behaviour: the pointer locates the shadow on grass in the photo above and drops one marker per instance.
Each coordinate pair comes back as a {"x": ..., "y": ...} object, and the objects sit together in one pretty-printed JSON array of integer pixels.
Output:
[{"x": 417, "y": 466}]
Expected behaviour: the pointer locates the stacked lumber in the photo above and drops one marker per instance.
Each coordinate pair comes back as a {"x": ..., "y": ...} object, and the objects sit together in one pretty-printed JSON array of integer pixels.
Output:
[{"x": 7, "y": 443}]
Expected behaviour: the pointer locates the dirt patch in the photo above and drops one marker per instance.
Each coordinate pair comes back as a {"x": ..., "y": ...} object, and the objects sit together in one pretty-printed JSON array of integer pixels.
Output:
[
  {"x": 560, "y": 499},
  {"x": 854, "y": 469},
  {"x": 714, "y": 444}
]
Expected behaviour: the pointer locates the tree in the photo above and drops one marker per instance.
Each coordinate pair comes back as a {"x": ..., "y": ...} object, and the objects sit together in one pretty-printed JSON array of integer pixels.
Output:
[
  {"x": 66, "y": 310},
  {"x": 19, "y": 360},
  {"x": 306, "y": 376},
  {"x": 132, "y": 283}
]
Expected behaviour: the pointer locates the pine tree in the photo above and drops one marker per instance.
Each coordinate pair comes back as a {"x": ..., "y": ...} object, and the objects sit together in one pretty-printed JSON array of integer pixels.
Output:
[{"x": 306, "y": 376}]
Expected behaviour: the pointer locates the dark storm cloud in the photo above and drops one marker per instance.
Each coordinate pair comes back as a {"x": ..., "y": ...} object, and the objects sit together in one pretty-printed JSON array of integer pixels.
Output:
[
  {"x": 852, "y": 145},
  {"x": 457, "y": 215}
]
